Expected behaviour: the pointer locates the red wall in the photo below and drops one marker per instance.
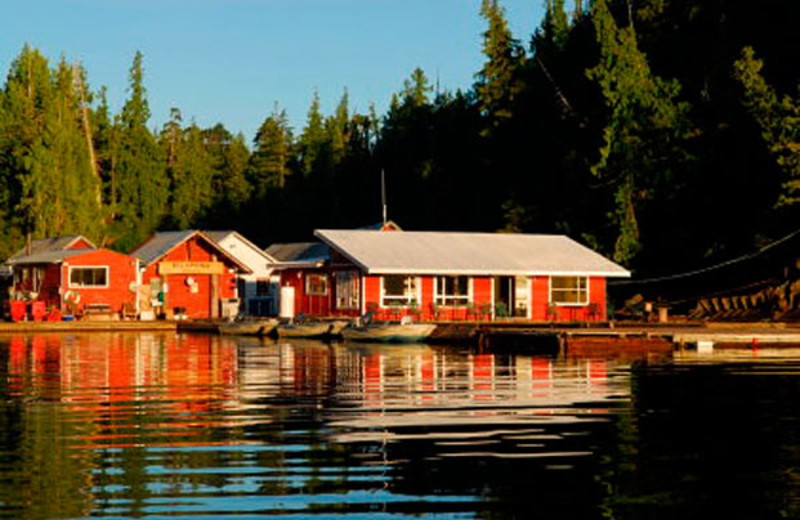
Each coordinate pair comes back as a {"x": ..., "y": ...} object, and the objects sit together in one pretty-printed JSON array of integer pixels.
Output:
[
  {"x": 179, "y": 294},
  {"x": 81, "y": 243},
  {"x": 121, "y": 274},
  {"x": 481, "y": 308},
  {"x": 304, "y": 303},
  {"x": 594, "y": 311}
]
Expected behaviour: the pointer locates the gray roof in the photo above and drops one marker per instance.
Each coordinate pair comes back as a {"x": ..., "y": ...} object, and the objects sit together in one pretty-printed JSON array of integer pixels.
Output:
[
  {"x": 453, "y": 253},
  {"x": 161, "y": 244},
  {"x": 47, "y": 257},
  {"x": 41, "y": 245},
  {"x": 219, "y": 236},
  {"x": 299, "y": 252}
]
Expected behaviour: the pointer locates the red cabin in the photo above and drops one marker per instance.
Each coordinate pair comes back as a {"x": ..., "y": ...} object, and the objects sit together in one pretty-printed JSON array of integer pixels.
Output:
[
  {"x": 435, "y": 276},
  {"x": 76, "y": 281},
  {"x": 186, "y": 274}
]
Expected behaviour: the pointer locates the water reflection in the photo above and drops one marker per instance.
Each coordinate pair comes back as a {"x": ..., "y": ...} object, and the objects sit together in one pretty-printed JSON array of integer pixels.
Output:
[{"x": 131, "y": 425}]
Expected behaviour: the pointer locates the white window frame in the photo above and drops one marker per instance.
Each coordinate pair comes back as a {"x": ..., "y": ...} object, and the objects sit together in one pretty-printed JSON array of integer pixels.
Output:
[
  {"x": 84, "y": 267},
  {"x": 322, "y": 277},
  {"x": 440, "y": 299},
  {"x": 417, "y": 297},
  {"x": 568, "y": 304}
]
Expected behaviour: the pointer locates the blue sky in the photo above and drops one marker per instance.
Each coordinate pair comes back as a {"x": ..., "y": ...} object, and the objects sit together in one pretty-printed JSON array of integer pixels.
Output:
[{"x": 229, "y": 61}]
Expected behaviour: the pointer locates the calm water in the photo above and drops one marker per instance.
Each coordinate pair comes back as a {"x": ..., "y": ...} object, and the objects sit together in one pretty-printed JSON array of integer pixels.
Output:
[{"x": 194, "y": 426}]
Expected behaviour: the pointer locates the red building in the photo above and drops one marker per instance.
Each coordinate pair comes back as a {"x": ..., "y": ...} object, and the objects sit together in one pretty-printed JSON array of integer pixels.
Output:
[
  {"x": 305, "y": 276},
  {"x": 435, "y": 276},
  {"x": 186, "y": 274},
  {"x": 77, "y": 279}
]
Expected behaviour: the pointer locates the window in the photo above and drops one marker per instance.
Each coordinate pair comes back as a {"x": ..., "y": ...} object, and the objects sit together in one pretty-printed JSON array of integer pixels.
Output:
[
  {"x": 569, "y": 290},
  {"x": 347, "y": 290},
  {"x": 316, "y": 285},
  {"x": 88, "y": 276},
  {"x": 398, "y": 290},
  {"x": 452, "y": 291},
  {"x": 262, "y": 288}
]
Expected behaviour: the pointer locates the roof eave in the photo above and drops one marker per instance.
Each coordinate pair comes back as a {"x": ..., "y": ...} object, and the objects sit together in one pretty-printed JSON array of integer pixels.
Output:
[
  {"x": 333, "y": 245},
  {"x": 297, "y": 264},
  {"x": 492, "y": 272}
]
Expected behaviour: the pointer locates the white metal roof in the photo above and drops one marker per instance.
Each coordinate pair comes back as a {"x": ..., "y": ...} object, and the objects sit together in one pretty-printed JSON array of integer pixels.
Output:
[{"x": 454, "y": 253}]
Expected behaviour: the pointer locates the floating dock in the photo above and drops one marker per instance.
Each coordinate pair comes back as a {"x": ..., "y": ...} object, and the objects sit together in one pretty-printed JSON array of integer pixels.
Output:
[
  {"x": 643, "y": 336},
  {"x": 33, "y": 327}
]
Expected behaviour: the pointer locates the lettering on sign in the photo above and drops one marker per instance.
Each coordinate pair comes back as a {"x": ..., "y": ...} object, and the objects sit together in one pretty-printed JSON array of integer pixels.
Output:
[{"x": 191, "y": 268}]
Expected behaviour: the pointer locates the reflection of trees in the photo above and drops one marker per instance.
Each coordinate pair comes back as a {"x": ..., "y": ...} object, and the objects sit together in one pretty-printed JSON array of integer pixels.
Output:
[{"x": 713, "y": 441}]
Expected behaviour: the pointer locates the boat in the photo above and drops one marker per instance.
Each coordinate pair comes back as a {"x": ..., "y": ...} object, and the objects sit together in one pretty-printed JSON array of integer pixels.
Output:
[
  {"x": 317, "y": 329},
  {"x": 337, "y": 327},
  {"x": 390, "y": 332},
  {"x": 248, "y": 327}
]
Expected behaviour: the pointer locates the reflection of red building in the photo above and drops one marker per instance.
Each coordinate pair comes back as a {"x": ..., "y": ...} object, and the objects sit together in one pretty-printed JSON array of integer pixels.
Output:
[{"x": 186, "y": 273}]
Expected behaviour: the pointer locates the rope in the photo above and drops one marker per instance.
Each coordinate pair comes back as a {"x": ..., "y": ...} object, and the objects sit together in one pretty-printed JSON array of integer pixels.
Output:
[{"x": 743, "y": 258}]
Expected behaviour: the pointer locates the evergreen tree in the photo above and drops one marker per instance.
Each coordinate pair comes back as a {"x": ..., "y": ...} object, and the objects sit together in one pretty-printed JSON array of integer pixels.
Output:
[
  {"x": 313, "y": 140},
  {"x": 25, "y": 156},
  {"x": 337, "y": 128},
  {"x": 778, "y": 118},
  {"x": 645, "y": 119},
  {"x": 416, "y": 90},
  {"x": 230, "y": 157},
  {"x": 499, "y": 81},
  {"x": 142, "y": 186},
  {"x": 270, "y": 162},
  {"x": 192, "y": 179}
]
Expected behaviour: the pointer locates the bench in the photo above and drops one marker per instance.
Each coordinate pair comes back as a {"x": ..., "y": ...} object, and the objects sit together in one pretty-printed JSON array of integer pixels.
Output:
[{"x": 99, "y": 312}]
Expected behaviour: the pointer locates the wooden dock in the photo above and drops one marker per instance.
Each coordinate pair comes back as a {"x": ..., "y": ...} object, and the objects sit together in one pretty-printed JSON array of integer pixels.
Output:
[
  {"x": 643, "y": 336},
  {"x": 34, "y": 327}
]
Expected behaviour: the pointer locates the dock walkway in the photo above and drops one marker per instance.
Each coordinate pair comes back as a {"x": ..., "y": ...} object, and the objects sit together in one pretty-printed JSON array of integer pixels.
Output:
[{"x": 28, "y": 327}]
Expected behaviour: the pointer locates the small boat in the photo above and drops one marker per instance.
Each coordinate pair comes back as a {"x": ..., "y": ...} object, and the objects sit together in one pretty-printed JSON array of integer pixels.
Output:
[
  {"x": 248, "y": 327},
  {"x": 337, "y": 327},
  {"x": 316, "y": 329},
  {"x": 390, "y": 332}
]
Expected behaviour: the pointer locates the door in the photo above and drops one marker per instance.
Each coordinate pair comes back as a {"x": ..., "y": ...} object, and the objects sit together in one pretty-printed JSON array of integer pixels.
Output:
[
  {"x": 287, "y": 302},
  {"x": 504, "y": 291}
]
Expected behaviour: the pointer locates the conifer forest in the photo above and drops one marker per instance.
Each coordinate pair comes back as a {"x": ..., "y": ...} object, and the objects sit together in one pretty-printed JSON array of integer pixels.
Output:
[{"x": 662, "y": 133}]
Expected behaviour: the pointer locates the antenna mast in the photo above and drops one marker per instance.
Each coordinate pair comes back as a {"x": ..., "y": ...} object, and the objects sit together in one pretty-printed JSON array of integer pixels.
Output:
[{"x": 383, "y": 197}]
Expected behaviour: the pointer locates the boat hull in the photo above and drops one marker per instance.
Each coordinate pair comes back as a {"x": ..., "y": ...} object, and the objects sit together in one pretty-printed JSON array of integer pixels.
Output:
[
  {"x": 248, "y": 328},
  {"x": 304, "y": 330},
  {"x": 412, "y": 333}
]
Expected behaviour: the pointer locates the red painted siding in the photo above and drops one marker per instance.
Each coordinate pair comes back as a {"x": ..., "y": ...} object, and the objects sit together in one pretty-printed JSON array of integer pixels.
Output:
[
  {"x": 81, "y": 243},
  {"x": 540, "y": 297},
  {"x": 179, "y": 295},
  {"x": 372, "y": 293},
  {"x": 55, "y": 283},
  {"x": 307, "y": 304},
  {"x": 595, "y": 310},
  {"x": 480, "y": 307},
  {"x": 121, "y": 276},
  {"x": 426, "y": 296}
]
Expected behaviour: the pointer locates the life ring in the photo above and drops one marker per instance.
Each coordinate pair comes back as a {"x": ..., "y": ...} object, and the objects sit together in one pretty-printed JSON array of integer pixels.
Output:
[{"x": 72, "y": 297}]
